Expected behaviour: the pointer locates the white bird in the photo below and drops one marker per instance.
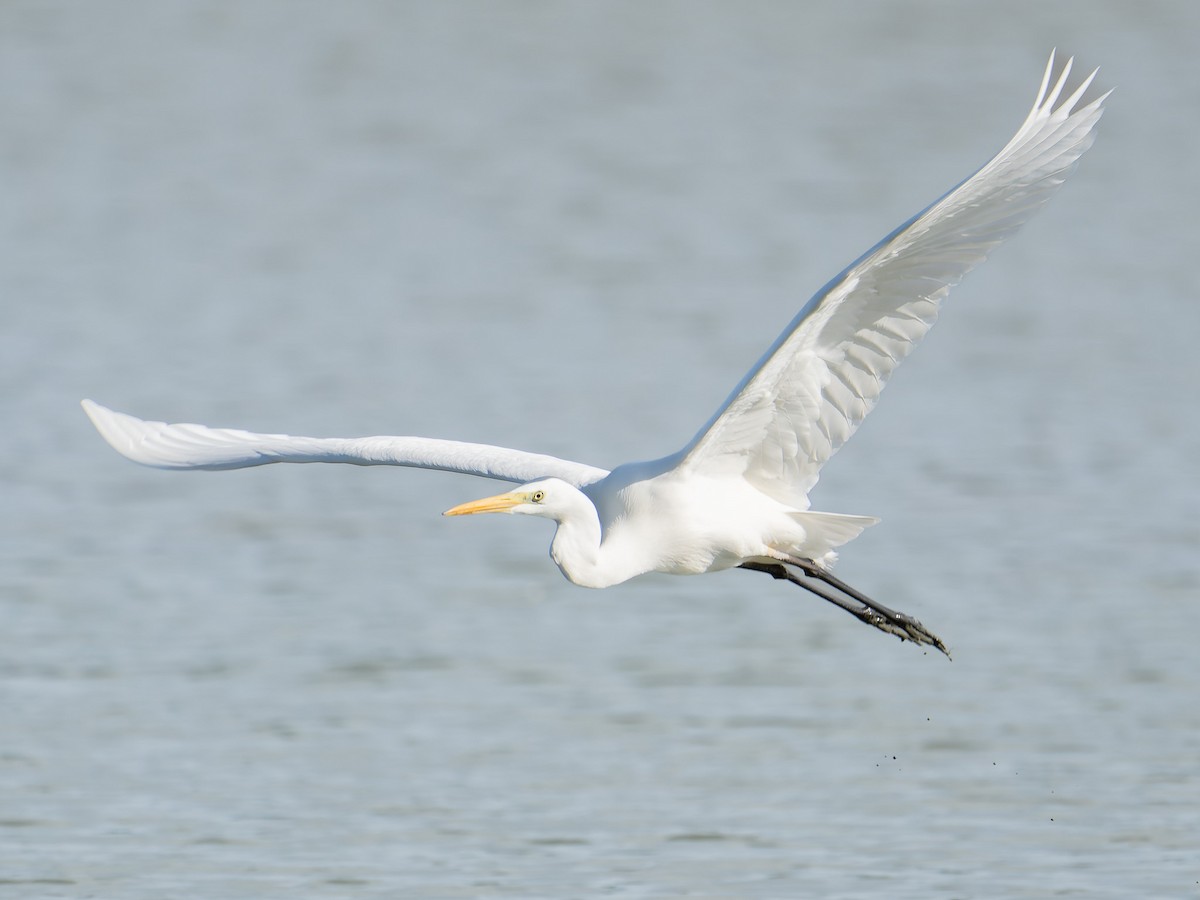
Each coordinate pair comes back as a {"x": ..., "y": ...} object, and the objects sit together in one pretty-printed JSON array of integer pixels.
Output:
[{"x": 737, "y": 493}]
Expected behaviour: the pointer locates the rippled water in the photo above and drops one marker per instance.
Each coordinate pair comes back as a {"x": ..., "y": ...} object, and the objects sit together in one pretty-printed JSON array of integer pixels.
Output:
[{"x": 571, "y": 228}]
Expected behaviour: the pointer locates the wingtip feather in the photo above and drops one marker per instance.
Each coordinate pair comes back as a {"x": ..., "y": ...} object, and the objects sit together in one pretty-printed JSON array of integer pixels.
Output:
[
  {"x": 1041, "y": 94},
  {"x": 125, "y": 433}
]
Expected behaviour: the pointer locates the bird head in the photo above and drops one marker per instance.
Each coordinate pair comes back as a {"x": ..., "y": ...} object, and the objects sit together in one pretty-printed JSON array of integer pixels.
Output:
[{"x": 538, "y": 498}]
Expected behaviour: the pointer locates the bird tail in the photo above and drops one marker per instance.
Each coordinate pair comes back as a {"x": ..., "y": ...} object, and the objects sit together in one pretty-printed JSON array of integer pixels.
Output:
[{"x": 825, "y": 531}]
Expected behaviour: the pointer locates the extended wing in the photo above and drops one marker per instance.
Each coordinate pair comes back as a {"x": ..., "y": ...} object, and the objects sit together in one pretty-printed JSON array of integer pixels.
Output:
[
  {"x": 822, "y": 376},
  {"x": 186, "y": 446}
]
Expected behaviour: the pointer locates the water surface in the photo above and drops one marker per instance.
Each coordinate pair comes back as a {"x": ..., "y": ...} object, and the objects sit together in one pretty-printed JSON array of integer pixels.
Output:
[{"x": 571, "y": 228}]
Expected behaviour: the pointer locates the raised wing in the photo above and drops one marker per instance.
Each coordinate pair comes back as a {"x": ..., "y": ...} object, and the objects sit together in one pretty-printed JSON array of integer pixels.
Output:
[
  {"x": 199, "y": 447},
  {"x": 822, "y": 376}
]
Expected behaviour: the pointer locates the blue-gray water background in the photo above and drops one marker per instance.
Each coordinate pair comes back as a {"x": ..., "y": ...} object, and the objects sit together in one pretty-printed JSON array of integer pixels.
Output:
[{"x": 571, "y": 228}]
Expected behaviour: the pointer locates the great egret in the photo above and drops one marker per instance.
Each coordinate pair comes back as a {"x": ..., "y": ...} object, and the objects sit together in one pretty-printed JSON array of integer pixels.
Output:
[{"x": 737, "y": 493}]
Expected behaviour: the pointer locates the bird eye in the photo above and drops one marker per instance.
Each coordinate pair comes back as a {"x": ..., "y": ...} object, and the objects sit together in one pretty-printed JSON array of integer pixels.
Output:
[{"x": 538, "y": 496}]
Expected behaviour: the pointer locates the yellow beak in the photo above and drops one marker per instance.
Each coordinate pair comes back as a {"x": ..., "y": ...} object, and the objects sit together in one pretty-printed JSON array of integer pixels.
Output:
[{"x": 498, "y": 503}]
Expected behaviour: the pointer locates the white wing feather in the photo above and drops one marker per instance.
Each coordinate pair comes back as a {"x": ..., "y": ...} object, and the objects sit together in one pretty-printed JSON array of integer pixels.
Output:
[
  {"x": 821, "y": 377},
  {"x": 186, "y": 446}
]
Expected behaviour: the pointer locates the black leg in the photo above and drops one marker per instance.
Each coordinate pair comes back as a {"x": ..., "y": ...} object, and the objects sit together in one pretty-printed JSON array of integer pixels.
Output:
[
  {"x": 780, "y": 572},
  {"x": 864, "y": 609}
]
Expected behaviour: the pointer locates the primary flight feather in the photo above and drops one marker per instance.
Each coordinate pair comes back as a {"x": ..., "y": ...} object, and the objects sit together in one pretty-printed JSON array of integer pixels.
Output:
[{"x": 737, "y": 493}]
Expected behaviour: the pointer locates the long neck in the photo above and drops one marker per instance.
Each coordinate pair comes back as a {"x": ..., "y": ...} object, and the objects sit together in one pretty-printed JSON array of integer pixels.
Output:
[{"x": 576, "y": 548}]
